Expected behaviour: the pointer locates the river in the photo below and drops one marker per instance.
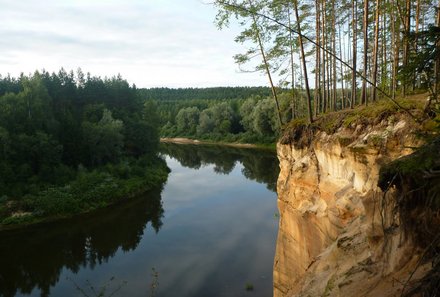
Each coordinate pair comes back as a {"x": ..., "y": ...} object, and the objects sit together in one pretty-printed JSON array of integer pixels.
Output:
[{"x": 209, "y": 231}]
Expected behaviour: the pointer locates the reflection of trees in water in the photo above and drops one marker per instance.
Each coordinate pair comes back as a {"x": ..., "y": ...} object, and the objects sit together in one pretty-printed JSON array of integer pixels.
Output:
[
  {"x": 262, "y": 169},
  {"x": 259, "y": 165},
  {"x": 186, "y": 157},
  {"x": 34, "y": 257}
]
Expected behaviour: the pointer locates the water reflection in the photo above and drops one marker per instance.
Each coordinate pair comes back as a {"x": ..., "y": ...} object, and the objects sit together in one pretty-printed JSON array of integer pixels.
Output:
[
  {"x": 218, "y": 234},
  {"x": 259, "y": 165},
  {"x": 34, "y": 257}
]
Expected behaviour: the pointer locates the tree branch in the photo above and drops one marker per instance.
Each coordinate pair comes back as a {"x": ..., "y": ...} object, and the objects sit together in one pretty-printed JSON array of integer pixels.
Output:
[{"x": 252, "y": 12}]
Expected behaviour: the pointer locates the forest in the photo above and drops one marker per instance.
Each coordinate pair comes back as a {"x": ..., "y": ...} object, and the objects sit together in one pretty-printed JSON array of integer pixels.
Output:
[
  {"x": 337, "y": 54},
  {"x": 71, "y": 143},
  {"x": 250, "y": 120},
  {"x": 227, "y": 114},
  {"x": 327, "y": 55},
  {"x": 66, "y": 133},
  {"x": 213, "y": 93}
]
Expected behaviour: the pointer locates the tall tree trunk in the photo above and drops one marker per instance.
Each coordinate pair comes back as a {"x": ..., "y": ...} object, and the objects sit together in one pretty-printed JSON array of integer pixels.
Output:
[
  {"x": 324, "y": 58},
  {"x": 349, "y": 58},
  {"x": 395, "y": 27},
  {"x": 417, "y": 21},
  {"x": 266, "y": 66},
  {"x": 407, "y": 26},
  {"x": 416, "y": 77},
  {"x": 292, "y": 68},
  {"x": 375, "y": 50},
  {"x": 317, "y": 99},
  {"x": 342, "y": 51},
  {"x": 354, "y": 25},
  {"x": 384, "y": 68},
  {"x": 334, "y": 96},
  {"x": 327, "y": 69},
  {"x": 303, "y": 58},
  {"x": 364, "y": 99},
  {"x": 437, "y": 62}
]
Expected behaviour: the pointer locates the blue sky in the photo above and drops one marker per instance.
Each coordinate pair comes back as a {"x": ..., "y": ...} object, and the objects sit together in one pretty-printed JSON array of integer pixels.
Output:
[{"x": 151, "y": 43}]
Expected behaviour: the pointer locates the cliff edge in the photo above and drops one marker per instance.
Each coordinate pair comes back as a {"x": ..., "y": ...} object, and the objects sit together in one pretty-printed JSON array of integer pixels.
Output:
[{"x": 341, "y": 234}]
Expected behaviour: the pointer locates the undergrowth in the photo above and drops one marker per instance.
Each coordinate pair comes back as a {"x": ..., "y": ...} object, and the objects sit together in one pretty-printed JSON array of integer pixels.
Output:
[
  {"x": 90, "y": 190},
  {"x": 300, "y": 132},
  {"x": 416, "y": 179}
]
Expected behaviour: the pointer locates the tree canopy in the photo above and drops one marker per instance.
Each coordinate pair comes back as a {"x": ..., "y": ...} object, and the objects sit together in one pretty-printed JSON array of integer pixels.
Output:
[
  {"x": 388, "y": 47},
  {"x": 60, "y": 129}
]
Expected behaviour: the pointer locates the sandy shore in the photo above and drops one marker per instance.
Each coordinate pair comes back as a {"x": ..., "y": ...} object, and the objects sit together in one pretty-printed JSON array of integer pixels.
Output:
[{"x": 181, "y": 140}]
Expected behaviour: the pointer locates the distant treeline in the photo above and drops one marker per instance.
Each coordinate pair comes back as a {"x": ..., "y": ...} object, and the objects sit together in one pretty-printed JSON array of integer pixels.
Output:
[
  {"x": 217, "y": 93},
  {"x": 230, "y": 114},
  {"x": 249, "y": 120},
  {"x": 73, "y": 142},
  {"x": 227, "y": 114}
]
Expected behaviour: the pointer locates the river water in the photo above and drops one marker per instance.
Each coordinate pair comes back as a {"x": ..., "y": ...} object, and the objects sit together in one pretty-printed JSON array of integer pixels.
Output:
[{"x": 210, "y": 231}]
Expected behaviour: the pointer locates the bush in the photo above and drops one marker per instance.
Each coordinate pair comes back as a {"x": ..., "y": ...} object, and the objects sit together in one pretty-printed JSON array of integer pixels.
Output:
[{"x": 90, "y": 190}]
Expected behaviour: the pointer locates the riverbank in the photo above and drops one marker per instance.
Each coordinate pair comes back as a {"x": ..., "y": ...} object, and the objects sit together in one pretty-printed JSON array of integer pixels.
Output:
[
  {"x": 87, "y": 192},
  {"x": 163, "y": 232},
  {"x": 183, "y": 140}
]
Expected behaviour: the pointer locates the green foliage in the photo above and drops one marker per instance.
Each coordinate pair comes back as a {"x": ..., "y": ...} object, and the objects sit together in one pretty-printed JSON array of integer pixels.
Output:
[
  {"x": 422, "y": 161},
  {"x": 218, "y": 93},
  {"x": 375, "y": 112},
  {"x": 187, "y": 120},
  {"x": 300, "y": 133},
  {"x": 216, "y": 119},
  {"x": 264, "y": 122},
  {"x": 248, "y": 121},
  {"x": 416, "y": 180},
  {"x": 91, "y": 190},
  {"x": 422, "y": 61},
  {"x": 70, "y": 145},
  {"x": 103, "y": 140}
]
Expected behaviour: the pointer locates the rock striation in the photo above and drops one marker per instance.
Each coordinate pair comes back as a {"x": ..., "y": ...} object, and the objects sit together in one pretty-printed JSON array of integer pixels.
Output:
[{"x": 339, "y": 233}]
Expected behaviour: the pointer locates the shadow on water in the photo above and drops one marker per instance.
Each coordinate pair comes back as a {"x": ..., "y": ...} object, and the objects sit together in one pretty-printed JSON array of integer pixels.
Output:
[
  {"x": 36, "y": 259},
  {"x": 35, "y": 256},
  {"x": 259, "y": 165}
]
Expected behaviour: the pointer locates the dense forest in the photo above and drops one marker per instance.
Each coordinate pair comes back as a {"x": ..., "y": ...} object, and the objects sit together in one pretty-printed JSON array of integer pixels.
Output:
[
  {"x": 72, "y": 142},
  {"x": 67, "y": 133},
  {"x": 338, "y": 53},
  {"x": 232, "y": 120},
  {"x": 215, "y": 93},
  {"x": 327, "y": 55},
  {"x": 216, "y": 114}
]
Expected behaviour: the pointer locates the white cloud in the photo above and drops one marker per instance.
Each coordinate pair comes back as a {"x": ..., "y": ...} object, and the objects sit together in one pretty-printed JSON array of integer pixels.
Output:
[{"x": 151, "y": 43}]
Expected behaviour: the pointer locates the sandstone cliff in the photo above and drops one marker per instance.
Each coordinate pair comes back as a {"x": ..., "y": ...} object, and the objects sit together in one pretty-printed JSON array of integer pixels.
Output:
[{"x": 339, "y": 234}]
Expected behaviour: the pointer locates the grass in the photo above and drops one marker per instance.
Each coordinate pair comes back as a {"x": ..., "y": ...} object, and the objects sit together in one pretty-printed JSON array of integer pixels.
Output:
[
  {"x": 298, "y": 131},
  {"x": 425, "y": 159}
]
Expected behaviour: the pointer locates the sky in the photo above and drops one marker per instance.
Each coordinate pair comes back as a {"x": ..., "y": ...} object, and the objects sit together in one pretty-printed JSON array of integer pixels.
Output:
[{"x": 151, "y": 43}]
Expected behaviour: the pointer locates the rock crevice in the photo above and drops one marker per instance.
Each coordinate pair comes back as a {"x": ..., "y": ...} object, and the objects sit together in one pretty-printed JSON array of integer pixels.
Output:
[{"x": 339, "y": 234}]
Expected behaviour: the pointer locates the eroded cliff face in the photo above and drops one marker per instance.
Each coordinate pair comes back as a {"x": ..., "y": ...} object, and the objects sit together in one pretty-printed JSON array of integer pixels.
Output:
[{"x": 339, "y": 234}]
